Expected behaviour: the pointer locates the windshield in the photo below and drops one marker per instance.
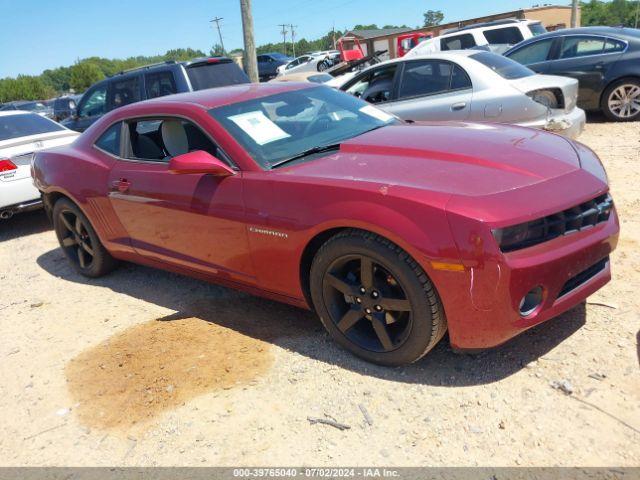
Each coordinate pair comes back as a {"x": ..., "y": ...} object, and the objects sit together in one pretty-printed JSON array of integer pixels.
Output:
[
  {"x": 279, "y": 127},
  {"x": 503, "y": 66},
  {"x": 23, "y": 125}
]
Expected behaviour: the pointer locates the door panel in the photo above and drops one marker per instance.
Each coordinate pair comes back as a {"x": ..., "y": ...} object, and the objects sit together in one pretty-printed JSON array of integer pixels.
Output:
[
  {"x": 454, "y": 105},
  {"x": 585, "y": 65},
  {"x": 194, "y": 221}
]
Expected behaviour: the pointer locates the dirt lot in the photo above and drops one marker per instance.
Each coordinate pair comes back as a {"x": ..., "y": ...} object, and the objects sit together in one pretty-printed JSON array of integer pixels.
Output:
[{"x": 148, "y": 368}]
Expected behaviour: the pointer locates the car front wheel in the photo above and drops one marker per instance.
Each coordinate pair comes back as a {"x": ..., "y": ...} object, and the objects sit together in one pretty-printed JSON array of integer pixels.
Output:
[
  {"x": 79, "y": 241},
  {"x": 621, "y": 100},
  {"x": 375, "y": 300}
]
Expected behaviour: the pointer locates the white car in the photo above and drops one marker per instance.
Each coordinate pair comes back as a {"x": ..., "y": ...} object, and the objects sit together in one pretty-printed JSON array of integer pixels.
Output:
[
  {"x": 312, "y": 62},
  {"x": 473, "y": 86},
  {"x": 500, "y": 34},
  {"x": 21, "y": 135}
]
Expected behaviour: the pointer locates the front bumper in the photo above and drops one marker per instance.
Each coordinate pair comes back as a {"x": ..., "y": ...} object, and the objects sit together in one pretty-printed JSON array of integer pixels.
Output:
[
  {"x": 485, "y": 313},
  {"x": 570, "y": 124}
]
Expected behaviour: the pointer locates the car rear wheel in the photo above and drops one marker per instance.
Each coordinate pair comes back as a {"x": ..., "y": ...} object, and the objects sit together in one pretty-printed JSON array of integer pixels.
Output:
[
  {"x": 375, "y": 300},
  {"x": 79, "y": 241},
  {"x": 621, "y": 100}
]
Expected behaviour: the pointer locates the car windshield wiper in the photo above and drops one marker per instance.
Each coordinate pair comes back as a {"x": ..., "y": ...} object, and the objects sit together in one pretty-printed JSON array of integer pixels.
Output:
[{"x": 311, "y": 151}]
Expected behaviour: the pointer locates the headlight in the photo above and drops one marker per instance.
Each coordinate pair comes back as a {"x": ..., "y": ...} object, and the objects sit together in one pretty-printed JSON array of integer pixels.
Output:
[
  {"x": 510, "y": 238},
  {"x": 547, "y": 98}
]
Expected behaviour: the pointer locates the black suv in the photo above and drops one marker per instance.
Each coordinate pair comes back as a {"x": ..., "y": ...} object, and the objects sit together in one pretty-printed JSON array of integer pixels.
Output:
[{"x": 150, "y": 82}]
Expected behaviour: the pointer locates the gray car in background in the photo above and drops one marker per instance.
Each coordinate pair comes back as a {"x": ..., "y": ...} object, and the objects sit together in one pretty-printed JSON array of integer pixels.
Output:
[{"x": 470, "y": 85}]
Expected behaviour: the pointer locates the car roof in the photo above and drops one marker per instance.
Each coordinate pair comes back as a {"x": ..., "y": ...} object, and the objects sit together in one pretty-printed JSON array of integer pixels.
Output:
[
  {"x": 217, "y": 97},
  {"x": 620, "y": 32},
  {"x": 8, "y": 113}
]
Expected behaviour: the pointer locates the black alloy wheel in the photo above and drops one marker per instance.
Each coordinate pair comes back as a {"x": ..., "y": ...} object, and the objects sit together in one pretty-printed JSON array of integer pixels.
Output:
[
  {"x": 374, "y": 299},
  {"x": 79, "y": 241}
]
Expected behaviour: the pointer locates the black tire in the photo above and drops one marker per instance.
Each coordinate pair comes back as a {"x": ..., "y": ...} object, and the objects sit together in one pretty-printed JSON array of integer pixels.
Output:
[
  {"x": 396, "y": 281},
  {"x": 79, "y": 241},
  {"x": 610, "y": 95}
]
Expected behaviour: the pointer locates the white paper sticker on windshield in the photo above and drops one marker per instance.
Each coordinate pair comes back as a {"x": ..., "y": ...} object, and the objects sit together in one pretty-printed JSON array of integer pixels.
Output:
[
  {"x": 376, "y": 113},
  {"x": 259, "y": 127}
]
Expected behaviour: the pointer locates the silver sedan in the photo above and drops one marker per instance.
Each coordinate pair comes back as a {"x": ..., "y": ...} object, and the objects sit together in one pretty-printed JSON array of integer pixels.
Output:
[{"x": 470, "y": 85}]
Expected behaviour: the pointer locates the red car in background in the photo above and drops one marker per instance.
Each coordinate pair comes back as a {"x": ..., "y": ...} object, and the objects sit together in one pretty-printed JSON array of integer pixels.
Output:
[{"x": 393, "y": 233}]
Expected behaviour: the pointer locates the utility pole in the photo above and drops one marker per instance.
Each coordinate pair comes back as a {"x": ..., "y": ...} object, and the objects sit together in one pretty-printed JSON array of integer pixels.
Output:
[
  {"x": 284, "y": 37},
  {"x": 293, "y": 38},
  {"x": 217, "y": 20},
  {"x": 574, "y": 13},
  {"x": 637, "y": 12},
  {"x": 333, "y": 33},
  {"x": 250, "y": 58}
]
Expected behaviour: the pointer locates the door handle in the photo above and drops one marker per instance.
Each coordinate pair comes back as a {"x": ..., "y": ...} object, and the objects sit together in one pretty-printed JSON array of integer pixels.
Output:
[
  {"x": 121, "y": 185},
  {"x": 599, "y": 66},
  {"x": 458, "y": 106}
]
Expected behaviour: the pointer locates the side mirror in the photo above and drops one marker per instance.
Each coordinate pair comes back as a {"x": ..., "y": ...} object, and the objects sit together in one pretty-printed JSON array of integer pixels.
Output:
[{"x": 199, "y": 162}]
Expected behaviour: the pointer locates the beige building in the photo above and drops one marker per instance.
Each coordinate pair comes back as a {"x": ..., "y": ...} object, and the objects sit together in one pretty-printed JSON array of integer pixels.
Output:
[{"x": 553, "y": 17}]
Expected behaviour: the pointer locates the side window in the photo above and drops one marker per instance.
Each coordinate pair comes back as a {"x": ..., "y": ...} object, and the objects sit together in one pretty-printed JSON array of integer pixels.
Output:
[
  {"x": 431, "y": 77},
  {"x": 458, "y": 42},
  {"x": 459, "y": 79},
  {"x": 263, "y": 58},
  {"x": 126, "y": 91},
  {"x": 160, "y": 139},
  {"x": 109, "y": 141},
  {"x": 581, "y": 46},
  {"x": 612, "y": 46},
  {"x": 508, "y": 36},
  {"x": 95, "y": 103},
  {"x": 533, "y": 53},
  {"x": 376, "y": 86},
  {"x": 160, "y": 84}
]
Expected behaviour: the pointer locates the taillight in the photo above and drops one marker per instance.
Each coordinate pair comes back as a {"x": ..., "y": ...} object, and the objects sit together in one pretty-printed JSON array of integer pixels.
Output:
[{"x": 7, "y": 165}]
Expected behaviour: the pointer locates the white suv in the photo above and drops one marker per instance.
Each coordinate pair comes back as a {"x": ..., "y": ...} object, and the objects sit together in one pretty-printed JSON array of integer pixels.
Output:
[{"x": 496, "y": 36}]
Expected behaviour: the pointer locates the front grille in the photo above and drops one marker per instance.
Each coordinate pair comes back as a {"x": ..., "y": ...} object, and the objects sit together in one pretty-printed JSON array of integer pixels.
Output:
[
  {"x": 580, "y": 217},
  {"x": 21, "y": 160},
  {"x": 583, "y": 277}
]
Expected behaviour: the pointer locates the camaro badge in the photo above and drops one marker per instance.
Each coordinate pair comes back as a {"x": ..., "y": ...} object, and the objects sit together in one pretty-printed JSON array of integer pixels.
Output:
[{"x": 264, "y": 231}]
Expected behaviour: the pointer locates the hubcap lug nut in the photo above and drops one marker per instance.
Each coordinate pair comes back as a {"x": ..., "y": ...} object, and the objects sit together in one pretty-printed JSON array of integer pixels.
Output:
[
  {"x": 367, "y": 311},
  {"x": 363, "y": 290},
  {"x": 378, "y": 308},
  {"x": 358, "y": 300},
  {"x": 375, "y": 294}
]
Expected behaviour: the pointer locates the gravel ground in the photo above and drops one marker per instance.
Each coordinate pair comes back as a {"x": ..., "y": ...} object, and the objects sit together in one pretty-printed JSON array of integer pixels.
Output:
[{"x": 148, "y": 368}]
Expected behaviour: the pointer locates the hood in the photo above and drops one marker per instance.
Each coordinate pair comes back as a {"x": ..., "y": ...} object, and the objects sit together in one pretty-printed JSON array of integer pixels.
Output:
[{"x": 453, "y": 158}]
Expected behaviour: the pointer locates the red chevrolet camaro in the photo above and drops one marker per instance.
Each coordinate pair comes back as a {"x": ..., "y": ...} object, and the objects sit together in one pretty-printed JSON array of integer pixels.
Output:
[{"x": 392, "y": 232}]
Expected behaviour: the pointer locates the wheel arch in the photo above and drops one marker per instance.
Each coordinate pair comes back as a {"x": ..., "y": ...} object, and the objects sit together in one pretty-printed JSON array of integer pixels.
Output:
[{"x": 615, "y": 80}]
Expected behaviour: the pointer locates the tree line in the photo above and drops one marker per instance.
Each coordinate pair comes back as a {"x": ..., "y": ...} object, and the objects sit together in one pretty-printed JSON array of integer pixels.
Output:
[{"x": 85, "y": 72}]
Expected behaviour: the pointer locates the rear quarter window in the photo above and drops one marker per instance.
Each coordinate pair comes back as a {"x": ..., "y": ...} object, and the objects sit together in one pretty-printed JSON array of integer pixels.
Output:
[
  {"x": 109, "y": 141},
  {"x": 215, "y": 74}
]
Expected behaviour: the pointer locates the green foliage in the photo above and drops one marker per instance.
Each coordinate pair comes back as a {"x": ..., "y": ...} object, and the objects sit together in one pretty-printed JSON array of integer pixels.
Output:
[
  {"x": 24, "y": 88},
  {"x": 433, "y": 17},
  {"x": 81, "y": 75},
  {"x": 614, "y": 13},
  {"x": 84, "y": 74},
  {"x": 217, "y": 51}
]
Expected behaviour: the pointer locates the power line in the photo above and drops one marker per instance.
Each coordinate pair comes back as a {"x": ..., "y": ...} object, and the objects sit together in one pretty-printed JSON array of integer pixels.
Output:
[
  {"x": 293, "y": 38},
  {"x": 217, "y": 20},
  {"x": 284, "y": 37}
]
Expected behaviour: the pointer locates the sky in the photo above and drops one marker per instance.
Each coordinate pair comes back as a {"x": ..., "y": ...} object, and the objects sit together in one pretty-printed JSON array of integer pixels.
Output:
[{"x": 39, "y": 34}]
